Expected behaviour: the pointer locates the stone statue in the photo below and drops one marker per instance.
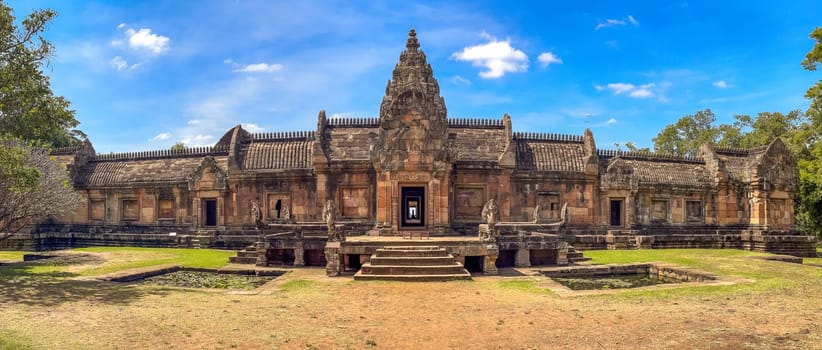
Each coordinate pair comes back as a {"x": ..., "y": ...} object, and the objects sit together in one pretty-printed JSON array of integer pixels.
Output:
[
  {"x": 256, "y": 214},
  {"x": 286, "y": 214},
  {"x": 330, "y": 213},
  {"x": 536, "y": 214},
  {"x": 490, "y": 213}
]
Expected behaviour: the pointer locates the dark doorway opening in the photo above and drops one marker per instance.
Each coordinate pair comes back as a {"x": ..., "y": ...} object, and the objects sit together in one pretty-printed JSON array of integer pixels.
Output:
[
  {"x": 210, "y": 209},
  {"x": 506, "y": 258},
  {"x": 278, "y": 207},
  {"x": 474, "y": 264},
  {"x": 616, "y": 212},
  {"x": 539, "y": 257},
  {"x": 280, "y": 256},
  {"x": 314, "y": 257},
  {"x": 413, "y": 207},
  {"x": 353, "y": 262}
]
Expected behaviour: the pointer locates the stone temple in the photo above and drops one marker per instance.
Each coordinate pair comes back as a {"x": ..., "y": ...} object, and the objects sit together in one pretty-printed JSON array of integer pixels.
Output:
[{"x": 336, "y": 195}]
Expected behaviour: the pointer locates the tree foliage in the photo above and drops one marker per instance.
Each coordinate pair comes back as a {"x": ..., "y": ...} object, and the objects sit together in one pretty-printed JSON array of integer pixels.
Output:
[
  {"x": 49, "y": 195},
  {"x": 179, "y": 146},
  {"x": 801, "y": 132},
  {"x": 32, "y": 119},
  {"x": 810, "y": 162},
  {"x": 28, "y": 108}
]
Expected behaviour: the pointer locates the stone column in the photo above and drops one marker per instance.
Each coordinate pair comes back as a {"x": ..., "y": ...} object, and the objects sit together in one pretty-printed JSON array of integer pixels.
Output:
[
  {"x": 523, "y": 258},
  {"x": 332, "y": 258},
  {"x": 562, "y": 255},
  {"x": 299, "y": 254},
  {"x": 489, "y": 267}
]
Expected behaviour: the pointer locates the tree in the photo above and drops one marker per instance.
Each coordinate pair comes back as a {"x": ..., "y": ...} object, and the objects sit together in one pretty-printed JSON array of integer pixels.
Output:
[
  {"x": 32, "y": 119},
  {"x": 179, "y": 146},
  {"x": 28, "y": 108},
  {"x": 687, "y": 134},
  {"x": 809, "y": 209},
  {"x": 50, "y": 194}
]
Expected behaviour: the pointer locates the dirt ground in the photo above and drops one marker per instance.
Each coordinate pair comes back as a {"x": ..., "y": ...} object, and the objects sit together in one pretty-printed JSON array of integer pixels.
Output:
[{"x": 306, "y": 310}]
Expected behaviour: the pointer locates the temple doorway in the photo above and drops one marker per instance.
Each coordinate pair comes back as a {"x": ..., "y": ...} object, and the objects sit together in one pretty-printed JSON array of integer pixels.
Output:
[
  {"x": 616, "y": 212},
  {"x": 413, "y": 207},
  {"x": 210, "y": 212}
]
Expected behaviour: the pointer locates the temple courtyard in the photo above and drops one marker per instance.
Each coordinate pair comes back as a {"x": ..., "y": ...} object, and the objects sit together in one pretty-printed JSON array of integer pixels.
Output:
[{"x": 69, "y": 302}]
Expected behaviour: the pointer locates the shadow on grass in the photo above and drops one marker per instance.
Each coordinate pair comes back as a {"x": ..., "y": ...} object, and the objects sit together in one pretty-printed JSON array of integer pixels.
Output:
[{"x": 32, "y": 284}]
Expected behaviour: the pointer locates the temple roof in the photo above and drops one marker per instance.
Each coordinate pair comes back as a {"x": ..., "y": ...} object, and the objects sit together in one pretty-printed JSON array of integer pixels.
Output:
[
  {"x": 137, "y": 171},
  {"x": 550, "y": 152}
]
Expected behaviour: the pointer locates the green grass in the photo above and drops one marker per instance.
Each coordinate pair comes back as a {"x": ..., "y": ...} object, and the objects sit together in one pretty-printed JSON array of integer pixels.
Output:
[
  {"x": 768, "y": 276},
  {"x": 523, "y": 286},
  {"x": 122, "y": 258},
  {"x": 298, "y": 285},
  {"x": 11, "y": 341},
  {"x": 14, "y": 255}
]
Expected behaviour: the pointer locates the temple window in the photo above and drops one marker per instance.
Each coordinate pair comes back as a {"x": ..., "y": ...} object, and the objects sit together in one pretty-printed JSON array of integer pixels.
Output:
[
  {"x": 659, "y": 211},
  {"x": 130, "y": 210},
  {"x": 97, "y": 209},
  {"x": 276, "y": 206},
  {"x": 166, "y": 208},
  {"x": 549, "y": 205},
  {"x": 693, "y": 211}
]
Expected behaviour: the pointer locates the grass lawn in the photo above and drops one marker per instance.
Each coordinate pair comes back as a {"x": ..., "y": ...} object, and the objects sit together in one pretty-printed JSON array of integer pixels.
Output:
[
  {"x": 12, "y": 255},
  {"x": 48, "y": 307}
]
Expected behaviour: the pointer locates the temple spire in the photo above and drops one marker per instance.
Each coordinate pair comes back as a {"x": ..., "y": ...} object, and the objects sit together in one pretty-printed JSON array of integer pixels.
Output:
[{"x": 412, "y": 44}]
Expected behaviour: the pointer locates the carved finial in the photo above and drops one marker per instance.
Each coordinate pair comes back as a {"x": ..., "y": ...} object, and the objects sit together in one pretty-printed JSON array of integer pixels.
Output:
[{"x": 412, "y": 44}]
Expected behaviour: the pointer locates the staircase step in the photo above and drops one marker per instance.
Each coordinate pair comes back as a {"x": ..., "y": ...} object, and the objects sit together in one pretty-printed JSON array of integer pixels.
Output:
[
  {"x": 412, "y": 247},
  {"x": 247, "y": 254},
  {"x": 410, "y": 253},
  {"x": 242, "y": 260},
  {"x": 359, "y": 276},
  {"x": 412, "y": 260},
  {"x": 368, "y": 269}
]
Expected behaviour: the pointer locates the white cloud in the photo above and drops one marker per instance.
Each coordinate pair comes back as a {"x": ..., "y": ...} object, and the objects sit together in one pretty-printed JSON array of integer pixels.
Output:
[
  {"x": 631, "y": 90},
  {"x": 121, "y": 26},
  {"x": 643, "y": 91},
  {"x": 458, "y": 80},
  {"x": 145, "y": 41},
  {"x": 546, "y": 58},
  {"x": 611, "y": 121},
  {"x": 193, "y": 122},
  {"x": 260, "y": 68},
  {"x": 119, "y": 63},
  {"x": 610, "y": 22},
  {"x": 497, "y": 57},
  {"x": 620, "y": 88},
  {"x": 722, "y": 84},
  {"x": 161, "y": 137},
  {"x": 252, "y": 128},
  {"x": 198, "y": 140}
]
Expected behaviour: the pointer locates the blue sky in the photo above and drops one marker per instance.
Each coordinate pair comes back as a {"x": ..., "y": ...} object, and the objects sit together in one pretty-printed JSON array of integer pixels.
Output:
[{"x": 146, "y": 74}]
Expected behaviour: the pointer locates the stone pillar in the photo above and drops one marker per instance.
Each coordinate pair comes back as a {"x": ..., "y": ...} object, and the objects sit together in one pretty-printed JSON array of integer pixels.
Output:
[
  {"x": 299, "y": 254},
  {"x": 562, "y": 255},
  {"x": 523, "y": 258},
  {"x": 489, "y": 267},
  {"x": 262, "y": 248},
  {"x": 332, "y": 257}
]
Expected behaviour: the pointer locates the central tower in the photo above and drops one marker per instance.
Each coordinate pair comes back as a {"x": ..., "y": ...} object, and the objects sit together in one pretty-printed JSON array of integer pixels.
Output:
[{"x": 411, "y": 151}]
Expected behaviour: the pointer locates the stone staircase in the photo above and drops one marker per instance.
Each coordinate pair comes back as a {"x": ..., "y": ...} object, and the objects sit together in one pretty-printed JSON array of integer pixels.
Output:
[
  {"x": 246, "y": 256},
  {"x": 575, "y": 256},
  {"x": 412, "y": 263}
]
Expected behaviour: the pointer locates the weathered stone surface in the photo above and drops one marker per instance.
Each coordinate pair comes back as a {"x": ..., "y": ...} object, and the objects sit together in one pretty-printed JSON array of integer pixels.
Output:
[{"x": 724, "y": 198}]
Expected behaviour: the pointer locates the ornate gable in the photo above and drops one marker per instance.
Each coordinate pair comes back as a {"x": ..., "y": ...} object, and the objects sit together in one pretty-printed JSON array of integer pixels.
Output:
[
  {"x": 413, "y": 130},
  {"x": 208, "y": 176}
]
